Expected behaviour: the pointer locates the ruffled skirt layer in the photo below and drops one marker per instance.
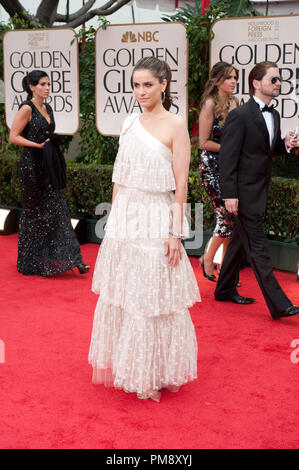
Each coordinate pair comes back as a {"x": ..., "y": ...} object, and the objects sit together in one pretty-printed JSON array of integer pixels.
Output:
[
  {"x": 139, "y": 279},
  {"x": 142, "y": 354}
]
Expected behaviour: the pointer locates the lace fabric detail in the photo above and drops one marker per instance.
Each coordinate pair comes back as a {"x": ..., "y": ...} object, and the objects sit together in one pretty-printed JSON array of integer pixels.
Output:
[
  {"x": 143, "y": 215},
  {"x": 140, "y": 355},
  {"x": 137, "y": 277},
  {"x": 147, "y": 164}
]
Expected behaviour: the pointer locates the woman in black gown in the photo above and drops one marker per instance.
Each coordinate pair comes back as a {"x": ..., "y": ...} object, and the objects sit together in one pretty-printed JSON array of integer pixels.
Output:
[{"x": 47, "y": 243}]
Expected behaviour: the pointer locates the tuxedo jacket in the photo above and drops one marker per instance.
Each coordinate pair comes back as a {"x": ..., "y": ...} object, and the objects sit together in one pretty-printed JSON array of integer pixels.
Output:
[{"x": 245, "y": 157}]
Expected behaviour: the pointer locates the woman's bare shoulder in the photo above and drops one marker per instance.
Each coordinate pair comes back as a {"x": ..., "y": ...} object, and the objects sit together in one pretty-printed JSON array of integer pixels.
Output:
[
  {"x": 208, "y": 104},
  {"x": 25, "y": 109},
  {"x": 26, "y": 106},
  {"x": 24, "y": 113},
  {"x": 177, "y": 121}
]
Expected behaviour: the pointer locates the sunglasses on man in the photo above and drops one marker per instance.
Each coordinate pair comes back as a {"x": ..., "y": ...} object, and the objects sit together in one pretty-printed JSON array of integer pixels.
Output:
[{"x": 275, "y": 79}]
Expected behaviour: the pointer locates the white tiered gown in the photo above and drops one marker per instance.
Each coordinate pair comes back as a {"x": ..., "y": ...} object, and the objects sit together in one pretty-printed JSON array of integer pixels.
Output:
[{"x": 143, "y": 338}]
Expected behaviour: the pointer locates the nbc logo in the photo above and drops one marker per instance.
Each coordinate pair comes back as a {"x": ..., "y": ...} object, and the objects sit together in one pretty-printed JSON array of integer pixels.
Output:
[
  {"x": 145, "y": 36},
  {"x": 128, "y": 37}
]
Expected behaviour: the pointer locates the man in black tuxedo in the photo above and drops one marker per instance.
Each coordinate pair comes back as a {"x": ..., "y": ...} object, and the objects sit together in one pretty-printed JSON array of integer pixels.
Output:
[{"x": 251, "y": 136}]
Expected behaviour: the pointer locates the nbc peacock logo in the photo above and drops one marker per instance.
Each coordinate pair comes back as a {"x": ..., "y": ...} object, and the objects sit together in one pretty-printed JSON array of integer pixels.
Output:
[
  {"x": 128, "y": 37},
  {"x": 144, "y": 36}
]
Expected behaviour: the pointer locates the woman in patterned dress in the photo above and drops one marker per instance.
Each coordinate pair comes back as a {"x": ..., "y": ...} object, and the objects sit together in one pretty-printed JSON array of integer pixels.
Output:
[{"x": 216, "y": 103}]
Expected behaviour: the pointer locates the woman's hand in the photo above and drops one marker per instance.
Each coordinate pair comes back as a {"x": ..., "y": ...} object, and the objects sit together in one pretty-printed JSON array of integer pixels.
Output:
[
  {"x": 174, "y": 250},
  {"x": 231, "y": 205},
  {"x": 41, "y": 146}
]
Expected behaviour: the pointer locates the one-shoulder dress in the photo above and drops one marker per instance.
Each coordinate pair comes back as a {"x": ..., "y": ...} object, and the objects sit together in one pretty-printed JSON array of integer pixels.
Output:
[{"x": 143, "y": 338}]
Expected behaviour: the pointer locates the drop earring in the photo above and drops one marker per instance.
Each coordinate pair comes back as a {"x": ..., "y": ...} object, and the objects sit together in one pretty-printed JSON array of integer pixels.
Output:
[{"x": 163, "y": 96}]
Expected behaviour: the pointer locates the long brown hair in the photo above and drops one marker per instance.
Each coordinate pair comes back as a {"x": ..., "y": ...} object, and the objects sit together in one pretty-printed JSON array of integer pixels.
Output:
[
  {"x": 220, "y": 71},
  {"x": 161, "y": 70}
]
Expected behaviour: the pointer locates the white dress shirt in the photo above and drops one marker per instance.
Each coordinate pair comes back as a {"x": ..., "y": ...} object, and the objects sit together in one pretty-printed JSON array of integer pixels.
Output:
[{"x": 269, "y": 119}]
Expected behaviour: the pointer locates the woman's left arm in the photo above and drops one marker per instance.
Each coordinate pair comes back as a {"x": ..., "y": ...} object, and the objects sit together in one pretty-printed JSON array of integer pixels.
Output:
[{"x": 181, "y": 160}]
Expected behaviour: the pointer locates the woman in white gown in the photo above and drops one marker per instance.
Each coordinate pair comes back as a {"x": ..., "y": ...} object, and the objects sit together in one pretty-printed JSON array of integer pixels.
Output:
[{"x": 143, "y": 338}]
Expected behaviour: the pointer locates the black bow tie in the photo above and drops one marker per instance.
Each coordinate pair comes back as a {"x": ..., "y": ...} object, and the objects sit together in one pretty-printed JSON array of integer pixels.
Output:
[{"x": 268, "y": 108}]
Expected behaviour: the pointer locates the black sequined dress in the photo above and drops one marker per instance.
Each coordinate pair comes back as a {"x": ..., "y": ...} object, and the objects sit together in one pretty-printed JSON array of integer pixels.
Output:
[
  {"x": 209, "y": 172},
  {"x": 47, "y": 243}
]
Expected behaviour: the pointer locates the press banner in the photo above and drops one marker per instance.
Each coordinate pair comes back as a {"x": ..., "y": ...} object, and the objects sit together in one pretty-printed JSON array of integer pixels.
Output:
[
  {"x": 118, "y": 49},
  {"x": 54, "y": 51},
  {"x": 244, "y": 42}
]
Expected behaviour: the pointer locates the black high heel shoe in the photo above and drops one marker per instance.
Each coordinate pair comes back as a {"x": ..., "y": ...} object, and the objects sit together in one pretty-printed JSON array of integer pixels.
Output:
[
  {"x": 210, "y": 277},
  {"x": 83, "y": 268}
]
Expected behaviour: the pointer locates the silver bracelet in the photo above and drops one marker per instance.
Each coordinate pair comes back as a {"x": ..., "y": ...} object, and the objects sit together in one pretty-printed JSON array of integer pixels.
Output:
[{"x": 175, "y": 234}]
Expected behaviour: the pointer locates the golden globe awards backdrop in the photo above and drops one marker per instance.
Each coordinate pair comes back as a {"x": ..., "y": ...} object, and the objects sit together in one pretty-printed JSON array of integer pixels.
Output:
[
  {"x": 244, "y": 42},
  {"x": 49, "y": 50},
  {"x": 118, "y": 49}
]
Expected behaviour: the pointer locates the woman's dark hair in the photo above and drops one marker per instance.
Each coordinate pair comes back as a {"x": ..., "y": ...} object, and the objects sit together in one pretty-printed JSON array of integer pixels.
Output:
[
  {"x": 32, "y": 79},
  {"x": 258, "y": 72},
  {"x": 219, "y": 72},
  {"x": 161, "y": 70}
]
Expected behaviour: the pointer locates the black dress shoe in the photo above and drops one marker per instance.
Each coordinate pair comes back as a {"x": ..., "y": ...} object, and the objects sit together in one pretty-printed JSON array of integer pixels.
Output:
[
  {"x": 236, "y": 299},
  {"x": 288, "y": 312},
  {"x": 83, "y": 268}
]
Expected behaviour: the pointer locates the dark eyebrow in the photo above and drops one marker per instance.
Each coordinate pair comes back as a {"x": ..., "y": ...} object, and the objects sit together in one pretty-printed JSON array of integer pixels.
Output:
[{"x": 144, "y": 83}]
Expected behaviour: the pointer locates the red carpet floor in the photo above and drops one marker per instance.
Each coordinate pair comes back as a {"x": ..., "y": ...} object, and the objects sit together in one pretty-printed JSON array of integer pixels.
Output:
[{"x": 246, "y": 396}]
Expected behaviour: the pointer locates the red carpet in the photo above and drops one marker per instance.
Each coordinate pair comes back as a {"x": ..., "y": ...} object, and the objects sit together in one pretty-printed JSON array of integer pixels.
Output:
[{"x": 246, "y": 395}]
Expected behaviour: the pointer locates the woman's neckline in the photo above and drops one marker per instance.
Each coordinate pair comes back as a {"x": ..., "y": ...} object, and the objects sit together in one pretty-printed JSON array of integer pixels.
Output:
[
  {"x": 49, "y": 122},
  {"x": 153, "y": 137}
]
